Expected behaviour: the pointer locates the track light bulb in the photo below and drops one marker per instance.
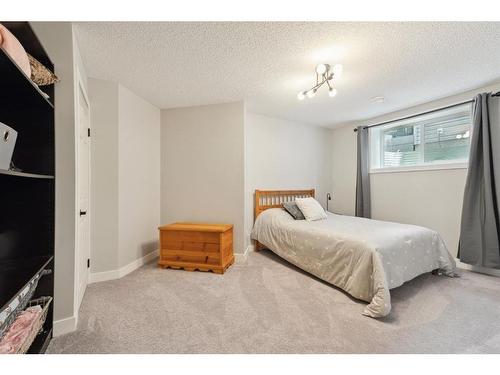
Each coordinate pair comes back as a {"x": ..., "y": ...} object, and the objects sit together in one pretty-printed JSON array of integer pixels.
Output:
[
  {"x": 301, "y": 95},
  {"x": 311, "y": 93},
  {"x": 332, "y": 92},
  {"x": 321, "y": 69}
]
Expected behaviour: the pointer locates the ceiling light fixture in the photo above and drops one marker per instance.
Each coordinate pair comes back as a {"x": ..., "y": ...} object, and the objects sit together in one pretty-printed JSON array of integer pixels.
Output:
[
  {"x": 324, "y": 74},
  {"x": 311, "y": 93},
  {"x": 321, "y": 69}
]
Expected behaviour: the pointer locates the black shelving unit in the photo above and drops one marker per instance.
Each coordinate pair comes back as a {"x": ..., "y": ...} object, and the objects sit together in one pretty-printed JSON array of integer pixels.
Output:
[{"x": 27, "y": 211}]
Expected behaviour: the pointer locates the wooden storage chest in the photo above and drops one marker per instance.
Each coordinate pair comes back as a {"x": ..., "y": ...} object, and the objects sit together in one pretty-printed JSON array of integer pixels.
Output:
[{"x": 196, "y": 246}]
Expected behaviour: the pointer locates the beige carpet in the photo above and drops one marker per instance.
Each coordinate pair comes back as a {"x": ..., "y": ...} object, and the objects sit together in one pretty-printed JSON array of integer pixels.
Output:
[{"x": 265, "y": 305}]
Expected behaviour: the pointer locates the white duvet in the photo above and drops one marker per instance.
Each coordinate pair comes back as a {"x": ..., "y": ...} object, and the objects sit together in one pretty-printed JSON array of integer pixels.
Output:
[{"x": 364, "y": 257}]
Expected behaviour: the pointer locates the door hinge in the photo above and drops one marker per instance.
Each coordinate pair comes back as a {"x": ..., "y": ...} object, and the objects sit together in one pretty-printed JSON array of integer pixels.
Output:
[
  {"x": 88, "y": 132},
  {"x": 88, "y": 263}
]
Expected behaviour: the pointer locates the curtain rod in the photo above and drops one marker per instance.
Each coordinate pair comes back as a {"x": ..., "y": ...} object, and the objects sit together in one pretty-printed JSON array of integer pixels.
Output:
[
  {"x": 418, "y": 114},
  {"x": 423, "y": 113}
]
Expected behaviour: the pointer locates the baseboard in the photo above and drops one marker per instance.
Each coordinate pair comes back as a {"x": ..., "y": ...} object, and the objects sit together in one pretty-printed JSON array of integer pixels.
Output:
[
  {"x": 66, "y": 325},
  {"x": 125, "y": 270},
  {"x": 138, "y": 263},
  {"x": 97, "y": 277},
  {"x": 487, "y": 271},
  {"x": 242, "y": 258}
]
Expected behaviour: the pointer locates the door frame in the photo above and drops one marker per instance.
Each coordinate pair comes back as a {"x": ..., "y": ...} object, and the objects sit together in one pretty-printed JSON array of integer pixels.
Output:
[{"x": 80, "y": 87}]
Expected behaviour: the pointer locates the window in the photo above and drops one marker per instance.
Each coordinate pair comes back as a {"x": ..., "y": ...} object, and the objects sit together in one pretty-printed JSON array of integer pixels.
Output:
[{"x": 437, "y": 138}]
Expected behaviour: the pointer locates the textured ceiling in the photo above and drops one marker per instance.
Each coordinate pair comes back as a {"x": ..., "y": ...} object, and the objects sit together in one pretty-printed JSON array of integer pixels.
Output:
[{"x": 175, "y": 64}]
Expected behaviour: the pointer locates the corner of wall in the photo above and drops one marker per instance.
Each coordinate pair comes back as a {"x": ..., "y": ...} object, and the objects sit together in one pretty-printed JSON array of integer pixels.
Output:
[
  {"x": 57, "y": 39},
  {"x": 65, "y": 325},
  {"x": 277, "y": 168},
  {"x": 210, "y": 188}
]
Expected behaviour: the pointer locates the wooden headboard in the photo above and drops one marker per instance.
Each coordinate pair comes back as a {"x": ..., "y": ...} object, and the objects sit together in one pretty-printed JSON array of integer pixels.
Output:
[{"x": 265, "y": 199}]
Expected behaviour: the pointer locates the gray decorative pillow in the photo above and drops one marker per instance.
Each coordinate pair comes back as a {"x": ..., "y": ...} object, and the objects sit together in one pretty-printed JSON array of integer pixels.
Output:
[{"x": 293, "y": 209}]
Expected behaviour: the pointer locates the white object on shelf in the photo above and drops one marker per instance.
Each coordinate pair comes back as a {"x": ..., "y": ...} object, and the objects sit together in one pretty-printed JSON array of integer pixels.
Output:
[{"x": 8, "y": 137}]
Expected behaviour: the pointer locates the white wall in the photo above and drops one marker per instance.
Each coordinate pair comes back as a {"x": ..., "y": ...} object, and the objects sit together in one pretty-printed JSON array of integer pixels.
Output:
[
  {"x": 284, "y": 155},
  {"x": 125, "y": 185},
  {"x": 202, "y": 166},
  {"x": 103, "y": 96},
  {"x": 139, "y": 177},
  {"x": 343, "y": 159},
  {"x": 80, "y": 69},
  {"x": 428, "y": 198},
  {"x": 58, "y": 40}
]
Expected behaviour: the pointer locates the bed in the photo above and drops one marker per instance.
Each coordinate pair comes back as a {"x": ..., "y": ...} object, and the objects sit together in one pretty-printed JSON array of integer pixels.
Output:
[{"x": 364, "y": 257}]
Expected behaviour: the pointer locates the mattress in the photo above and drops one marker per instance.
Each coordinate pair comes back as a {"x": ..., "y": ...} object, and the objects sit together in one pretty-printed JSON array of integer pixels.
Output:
[{"x": 364, "y": 257}]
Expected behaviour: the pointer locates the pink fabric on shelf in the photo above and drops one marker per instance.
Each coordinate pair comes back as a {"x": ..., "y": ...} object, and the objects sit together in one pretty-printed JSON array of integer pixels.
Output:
[
  {"x": 19, "y": 330},
  {"x": 15, "y": 50}
]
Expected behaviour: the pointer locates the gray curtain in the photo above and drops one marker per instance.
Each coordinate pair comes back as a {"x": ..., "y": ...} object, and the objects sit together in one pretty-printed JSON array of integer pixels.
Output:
[
  {"x": 363, "y": 206},
  {"x": 480, "y": 230}
]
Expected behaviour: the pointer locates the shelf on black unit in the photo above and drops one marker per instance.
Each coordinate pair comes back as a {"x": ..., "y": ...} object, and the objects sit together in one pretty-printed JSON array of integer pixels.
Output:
[
  {"x": 24, "y": 174},
  {"x": 16, "y": 274},
  {"x": 27, "y": 37},
  {"x": 27, "y": 214},
  {"x": 17, "y": 88}
]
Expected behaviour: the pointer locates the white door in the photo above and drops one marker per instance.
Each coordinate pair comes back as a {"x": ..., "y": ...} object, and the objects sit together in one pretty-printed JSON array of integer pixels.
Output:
[{"x": 83, "y": 213}]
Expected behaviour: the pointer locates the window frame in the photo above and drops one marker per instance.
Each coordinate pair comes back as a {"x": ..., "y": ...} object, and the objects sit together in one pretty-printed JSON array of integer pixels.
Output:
[{"x": 441, "y": 165}]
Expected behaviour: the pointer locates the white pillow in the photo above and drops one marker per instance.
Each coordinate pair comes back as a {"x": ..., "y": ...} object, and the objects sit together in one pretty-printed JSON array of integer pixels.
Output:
[{"x": 311, "y": 208}]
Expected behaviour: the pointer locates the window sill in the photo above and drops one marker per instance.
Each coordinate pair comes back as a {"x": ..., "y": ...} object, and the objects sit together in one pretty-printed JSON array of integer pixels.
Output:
[{"x": 420, "y": 168}]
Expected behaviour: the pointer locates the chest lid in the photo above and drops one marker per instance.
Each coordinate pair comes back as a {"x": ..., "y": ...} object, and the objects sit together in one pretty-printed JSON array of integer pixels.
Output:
[{"x": 197, "y": 227}]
